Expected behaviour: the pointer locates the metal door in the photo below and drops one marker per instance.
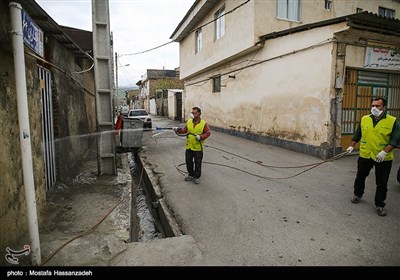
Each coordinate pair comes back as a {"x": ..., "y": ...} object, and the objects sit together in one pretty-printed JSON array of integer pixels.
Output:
[
  {"x": 178, "y": 107},
  {"x": 360, "y": 87},
  {"x": 47, "y": 126}
]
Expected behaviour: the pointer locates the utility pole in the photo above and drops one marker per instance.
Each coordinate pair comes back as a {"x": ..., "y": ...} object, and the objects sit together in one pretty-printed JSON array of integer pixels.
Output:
[
  {"x": 106, "y": 162},
  {"x": 116, "y": 97},
  {"x": 116, "y": 81}
]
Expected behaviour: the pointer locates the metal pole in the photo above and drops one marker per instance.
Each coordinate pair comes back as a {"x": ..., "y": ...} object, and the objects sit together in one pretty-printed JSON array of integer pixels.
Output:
[
  {"x": 116, "y": 82},
  {"x": 24, "y": 131}
]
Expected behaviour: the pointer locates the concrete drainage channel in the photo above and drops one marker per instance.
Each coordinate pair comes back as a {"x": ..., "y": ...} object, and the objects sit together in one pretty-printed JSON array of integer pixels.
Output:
[{"x": 150, "y": 217}]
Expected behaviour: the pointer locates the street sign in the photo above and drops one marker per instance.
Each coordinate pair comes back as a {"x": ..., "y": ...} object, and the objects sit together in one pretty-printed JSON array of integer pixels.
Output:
[{"x": 33, "y": 35}]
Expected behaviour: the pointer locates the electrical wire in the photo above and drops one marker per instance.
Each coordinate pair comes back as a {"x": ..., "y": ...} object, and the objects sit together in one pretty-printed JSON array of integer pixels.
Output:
[
  {"x": 224, "y": 14},
  {"x": 62, "y": 71},
  {"x": 149, "y": 50},
  {"x": 262, "y": 61},
  {"x": 167, "y": 43}
]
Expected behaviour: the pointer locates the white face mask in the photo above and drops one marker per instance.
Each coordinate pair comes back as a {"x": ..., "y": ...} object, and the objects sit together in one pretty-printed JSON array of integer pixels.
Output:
[
  {"x": 376, "y": 112},
  {"x": 191, "y": 116}
]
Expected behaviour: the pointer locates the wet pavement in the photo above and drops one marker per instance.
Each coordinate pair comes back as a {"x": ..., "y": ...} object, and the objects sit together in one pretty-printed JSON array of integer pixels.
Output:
[
  {"x": 256, "y": 205},
  {"x": 260, "y": 205}
]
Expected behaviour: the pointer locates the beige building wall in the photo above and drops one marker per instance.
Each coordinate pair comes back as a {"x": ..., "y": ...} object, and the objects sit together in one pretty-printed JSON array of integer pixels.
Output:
[
  {"x": 218, "y": 51},
  {"x": 246, "y": 24},
  {"x": 313, "y": 11},
  {"x": 281, "y": 97}
]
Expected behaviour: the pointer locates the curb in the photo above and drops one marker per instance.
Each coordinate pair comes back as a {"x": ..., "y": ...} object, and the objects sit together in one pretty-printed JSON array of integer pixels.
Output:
[{"x": 167, "y": 221}]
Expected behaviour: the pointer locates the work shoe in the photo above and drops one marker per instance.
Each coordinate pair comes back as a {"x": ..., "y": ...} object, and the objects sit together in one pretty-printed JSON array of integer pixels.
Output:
[
  {"x": 356, "y": 199},
  {"x": 189, "y": 178},
  {"x": 380, "y": 211},
  {"x": 196, "y": 180}
]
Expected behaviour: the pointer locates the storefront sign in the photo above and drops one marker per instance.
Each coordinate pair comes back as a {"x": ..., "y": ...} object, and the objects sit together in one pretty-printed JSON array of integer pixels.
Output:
[
  {"x": 379, "y": 58},
  {"x": 33, "y": 35}
]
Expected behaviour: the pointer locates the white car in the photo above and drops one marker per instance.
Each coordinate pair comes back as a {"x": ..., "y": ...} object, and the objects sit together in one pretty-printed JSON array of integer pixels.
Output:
[
  {"x": 140, "y": 114},
  {"x": 124, "y": 110}
]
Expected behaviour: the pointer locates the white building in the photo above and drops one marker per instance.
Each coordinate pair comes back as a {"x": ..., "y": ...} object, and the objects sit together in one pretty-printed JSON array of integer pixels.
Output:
[{"x": 297, "y": 74}]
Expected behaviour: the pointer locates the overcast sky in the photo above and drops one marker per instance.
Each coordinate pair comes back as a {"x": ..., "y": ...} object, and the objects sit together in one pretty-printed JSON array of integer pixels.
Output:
[{"x": 137, "y": 25}]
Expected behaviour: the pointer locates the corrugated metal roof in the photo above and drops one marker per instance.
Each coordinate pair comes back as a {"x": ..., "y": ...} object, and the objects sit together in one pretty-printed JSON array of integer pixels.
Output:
[
  {"x": 50, "y": 27},
  {"x": 82, "y": 38},
  {"x": 161, "y": 74},
  {"x": 364, "y": 20}
]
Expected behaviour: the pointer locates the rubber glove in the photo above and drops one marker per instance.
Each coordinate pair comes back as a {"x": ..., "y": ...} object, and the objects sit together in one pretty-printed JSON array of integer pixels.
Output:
[
  {"x": 350, "y": 149},
  {"x": 198, "y": 137},
  {"x": 380, "y": 156}
]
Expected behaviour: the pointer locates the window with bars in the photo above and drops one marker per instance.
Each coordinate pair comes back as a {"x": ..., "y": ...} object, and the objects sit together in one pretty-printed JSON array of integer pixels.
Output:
[
  {"x": 217, "y": 83},
  {"x": 328, "y": 5},
  {"x": 288, "y": 9}
]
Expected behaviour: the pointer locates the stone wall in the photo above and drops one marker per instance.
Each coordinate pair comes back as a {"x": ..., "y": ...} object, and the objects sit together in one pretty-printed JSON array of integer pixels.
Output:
[{"x": 74, "y": 128}]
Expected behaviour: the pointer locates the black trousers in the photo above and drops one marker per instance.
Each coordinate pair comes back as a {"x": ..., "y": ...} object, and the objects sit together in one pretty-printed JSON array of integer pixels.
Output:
[
  {"x": 382, "y": 172},
  {"x": 193, "y": 162}
]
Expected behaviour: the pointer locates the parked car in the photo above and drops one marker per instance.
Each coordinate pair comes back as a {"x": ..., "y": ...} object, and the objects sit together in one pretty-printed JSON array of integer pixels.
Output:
[
  {"x": 140, "y": 114},
  {"x": 124, "y": 110}
]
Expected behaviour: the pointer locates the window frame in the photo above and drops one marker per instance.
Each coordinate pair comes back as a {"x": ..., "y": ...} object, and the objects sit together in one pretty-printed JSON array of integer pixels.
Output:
[
  {"x": 285, "y": 5},
  {"x": 328, "y": 5},
  {"x": 219, "y": 23},
  {"x": 198, "y": 40},
  {"x": 386, "y": 11},
  {"x": 216, "y": 83}
]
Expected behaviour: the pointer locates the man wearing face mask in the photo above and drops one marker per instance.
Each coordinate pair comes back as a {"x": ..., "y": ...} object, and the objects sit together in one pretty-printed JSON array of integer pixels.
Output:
[
  {"x": 196, "y": 131},
  {"x": 378, "y": 134}
]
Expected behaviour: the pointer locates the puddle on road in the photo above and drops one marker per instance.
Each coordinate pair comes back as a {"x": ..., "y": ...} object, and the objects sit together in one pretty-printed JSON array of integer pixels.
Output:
[{"x": 145, "y": 224}]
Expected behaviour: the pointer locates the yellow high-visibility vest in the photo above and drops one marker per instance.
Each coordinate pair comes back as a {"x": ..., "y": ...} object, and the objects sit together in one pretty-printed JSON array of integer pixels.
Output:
[
  {"x": 375, "y": 139},
  {"x": 191, "y": 141}
]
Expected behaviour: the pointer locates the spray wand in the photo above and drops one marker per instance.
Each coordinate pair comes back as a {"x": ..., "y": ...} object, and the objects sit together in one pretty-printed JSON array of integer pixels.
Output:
[{"x": 167, "y": 128}]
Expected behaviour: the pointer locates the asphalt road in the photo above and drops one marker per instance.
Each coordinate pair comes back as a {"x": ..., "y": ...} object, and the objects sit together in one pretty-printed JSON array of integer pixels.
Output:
[{"x": 245, "y": 214}]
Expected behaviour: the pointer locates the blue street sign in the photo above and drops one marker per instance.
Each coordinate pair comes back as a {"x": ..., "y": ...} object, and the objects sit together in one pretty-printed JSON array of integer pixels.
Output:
[{"x": 33, "y": 35}]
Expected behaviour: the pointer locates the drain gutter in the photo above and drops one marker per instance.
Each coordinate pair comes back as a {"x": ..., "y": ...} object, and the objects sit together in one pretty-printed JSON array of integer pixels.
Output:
[{"x": 158, "y": 204}]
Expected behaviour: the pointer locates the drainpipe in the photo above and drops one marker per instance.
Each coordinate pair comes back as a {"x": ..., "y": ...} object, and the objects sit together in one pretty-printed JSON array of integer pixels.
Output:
[
  {"x": 24, "y": 132},
  {"x": 340, "y": 72}
]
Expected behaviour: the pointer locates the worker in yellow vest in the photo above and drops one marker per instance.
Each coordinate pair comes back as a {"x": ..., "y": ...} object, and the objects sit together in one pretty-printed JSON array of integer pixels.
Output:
[
  {"x": 378, "y": 134},
  {"x": 196, "y": 131}
]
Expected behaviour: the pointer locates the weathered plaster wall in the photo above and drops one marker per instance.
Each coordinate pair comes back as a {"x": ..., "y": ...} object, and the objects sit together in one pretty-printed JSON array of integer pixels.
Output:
[
  {"x": 13, "y": 216},
  {"x": 72, "y": 129},
  {"x": 287, "y": 96},
  {"x": 74, "y": 116}
]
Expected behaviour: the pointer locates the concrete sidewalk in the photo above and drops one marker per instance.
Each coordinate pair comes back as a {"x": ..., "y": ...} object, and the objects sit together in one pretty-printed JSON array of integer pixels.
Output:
[
  {"x": 89, "y": 222},
  {"x": 244, "y": 214}
]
